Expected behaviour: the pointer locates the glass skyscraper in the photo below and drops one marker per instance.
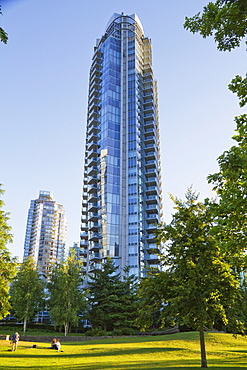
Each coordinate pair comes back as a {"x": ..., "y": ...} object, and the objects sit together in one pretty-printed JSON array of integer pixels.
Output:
[
  {"x": 45, "y": 233},
  {"x": 121, "y": 204}
]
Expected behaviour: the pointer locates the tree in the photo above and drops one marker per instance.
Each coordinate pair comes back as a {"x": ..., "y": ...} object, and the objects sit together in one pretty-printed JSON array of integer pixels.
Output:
[
  {"x": 67, "y": 299},
  {"x": 112, "y": 301},
  {"x": 198, "y": 286},
  {"x": 230, "y": 184},
  {"x": 27, "y": 292},
  {"x": 7, "y": 263},
  {"x": 226, "y": 19},
  {"x": 3, "y": 34}
]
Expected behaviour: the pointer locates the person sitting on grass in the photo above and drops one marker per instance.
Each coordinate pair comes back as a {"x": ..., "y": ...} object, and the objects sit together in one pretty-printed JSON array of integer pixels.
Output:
[
  {"x": 53, "y": 343},
  {"x": 14, "y": 341},
  {"x": 57, "y": 345}
]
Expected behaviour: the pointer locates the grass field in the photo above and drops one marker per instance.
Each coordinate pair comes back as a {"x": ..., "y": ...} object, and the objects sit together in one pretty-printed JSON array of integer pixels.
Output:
[{"x": 162, "y": 352}]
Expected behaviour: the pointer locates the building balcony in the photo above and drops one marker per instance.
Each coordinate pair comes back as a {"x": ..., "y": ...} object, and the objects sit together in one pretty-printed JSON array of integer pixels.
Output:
[
  {"x": 92, "y": 162},
  {"x": 148, "y": 103},
  {"x": 152, "y": 172},
  {"x": 84, "y": 235},
  {"x": 152, "y": 190},
  {"x": 84, "y": 244},
  {"x": 92, "y": 207},
  {"x": 93, "y": 216},
  {"x": 84, "y": 226},
  {"x": 92, "y": 236},
  {"x": 149, "y": 123},
  {"x": 92, "y": 153},
  {"x": 95, "y": 77},
  {"x": 92, "y": 198},
  {"x": 151, "y": 155},
  {"x": 84, "y": 195},
  {"x": 92, "y": 137},
  {"x": 94, "y": 86},
  {"x": 147, "y": 87},
  {"x": 152, "y": 199},
  {"x": 151, "y": 163},
  {"x": 93, "y": 129},
  {"x": 93, "y": 226},
  {"x": 92, "y": 145},
  {"x": 153, "y": 259},
  {"x": 83, "y": 252},
  {"x": 92, "y": 120},
  {"x": 148, "y": 109},
  {"x": 151, "y": 227},
  {"x": 94, "y": 93},
  {"x": 92, "y": 179},
  {"x": 152, "y": 216},
  {"x": 94, "y": 246},
  {"x": 92, "y": 171},
  {"x": 94, "y": 100},
  {"x": 151, "y": 181},
  {"x": 150, "y": 142},
  {"x": 96, "y": 256},
  {"x": 92, "y": 188}
]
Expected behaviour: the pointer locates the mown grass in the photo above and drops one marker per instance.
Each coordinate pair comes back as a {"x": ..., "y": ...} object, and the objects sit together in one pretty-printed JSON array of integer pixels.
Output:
[{"x": 162, "y": 352}]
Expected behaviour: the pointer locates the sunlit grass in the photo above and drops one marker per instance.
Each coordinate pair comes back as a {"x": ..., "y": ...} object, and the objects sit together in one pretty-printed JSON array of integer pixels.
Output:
[{"x": 162, "y": 352}]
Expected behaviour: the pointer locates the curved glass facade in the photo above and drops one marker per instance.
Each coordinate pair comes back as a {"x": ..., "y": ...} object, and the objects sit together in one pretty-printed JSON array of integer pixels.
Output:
[{"x": 121, "y": 189}]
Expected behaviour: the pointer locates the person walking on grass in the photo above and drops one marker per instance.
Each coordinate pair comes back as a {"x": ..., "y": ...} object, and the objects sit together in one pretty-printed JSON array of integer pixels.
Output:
[{"x": 14, "y": 341}]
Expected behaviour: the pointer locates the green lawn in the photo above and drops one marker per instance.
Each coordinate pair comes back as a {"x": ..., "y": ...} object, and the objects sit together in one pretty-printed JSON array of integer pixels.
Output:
[{"x": 162, "y": 352}]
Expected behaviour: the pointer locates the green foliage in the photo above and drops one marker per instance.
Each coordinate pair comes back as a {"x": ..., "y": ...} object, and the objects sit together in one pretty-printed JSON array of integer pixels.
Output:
[
  {"x": 225, "y": 19},
  {"x": 239, "y": 86},
  {"x": 230, "y": 184},
  {"x": 198, "y": 286},
  {"x": 3, "y": 34},
  {"x": 67, "y": 299},
  {"x": 27, "y": 292},
  {"x": 7, "y": 263},
  {"x": 112, "y": 301}
]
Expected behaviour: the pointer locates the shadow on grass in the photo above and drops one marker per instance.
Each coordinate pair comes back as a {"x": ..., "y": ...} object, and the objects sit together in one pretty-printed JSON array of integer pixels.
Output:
[
  {"x": 135, "y": 366},
  {"x": 100, "y": 352}
]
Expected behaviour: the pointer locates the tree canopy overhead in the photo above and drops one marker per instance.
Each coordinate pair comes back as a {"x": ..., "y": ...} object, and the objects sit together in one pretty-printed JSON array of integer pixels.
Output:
[
  {"x": 3, "y": 34},
  {"x": 226, "y": 20}
]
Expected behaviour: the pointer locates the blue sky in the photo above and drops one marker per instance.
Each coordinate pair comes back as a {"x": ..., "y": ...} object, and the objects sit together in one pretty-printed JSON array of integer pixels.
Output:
[{"x": 44, "y": 79}]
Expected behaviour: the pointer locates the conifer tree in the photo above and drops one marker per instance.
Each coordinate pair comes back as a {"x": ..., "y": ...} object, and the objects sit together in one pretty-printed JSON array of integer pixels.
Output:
[{"x": 112, "y": 301}]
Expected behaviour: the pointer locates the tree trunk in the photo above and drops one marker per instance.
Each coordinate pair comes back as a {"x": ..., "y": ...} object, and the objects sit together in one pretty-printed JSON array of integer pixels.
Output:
[
  {"x": 65, "y": 328},
  {"x": 203, "y": 349},
  {"x": 24, "y": 326}
]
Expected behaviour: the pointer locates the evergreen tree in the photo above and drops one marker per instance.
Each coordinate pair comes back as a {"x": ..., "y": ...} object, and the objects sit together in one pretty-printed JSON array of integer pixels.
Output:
[
  {"x": 67, "y": 298},
  {"x": 27, "y": 292},
  {"x": 112, "y": 301},
  {"x": 7, "y": 263}
]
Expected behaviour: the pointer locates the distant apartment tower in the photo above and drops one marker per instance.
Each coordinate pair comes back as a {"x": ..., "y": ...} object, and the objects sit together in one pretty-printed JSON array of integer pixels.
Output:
[
  {"x": 45, "y": 233},
  {"x": 121, "y": 204}
]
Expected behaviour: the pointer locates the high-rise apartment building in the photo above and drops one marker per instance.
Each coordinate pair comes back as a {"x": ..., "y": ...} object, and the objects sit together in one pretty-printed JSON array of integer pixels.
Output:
[
  {"x": 121, "y": 204},
  {"x": 45, "y": 232}
]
